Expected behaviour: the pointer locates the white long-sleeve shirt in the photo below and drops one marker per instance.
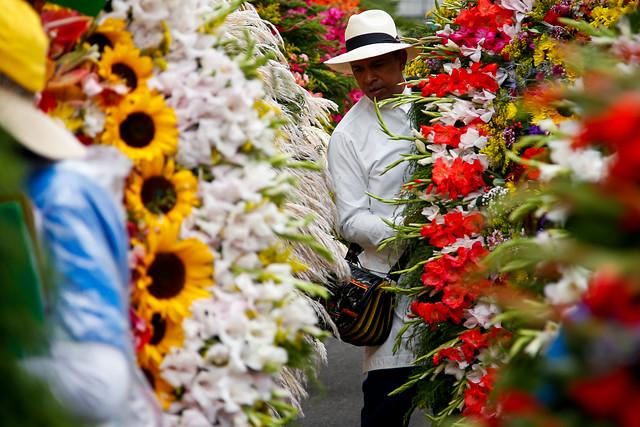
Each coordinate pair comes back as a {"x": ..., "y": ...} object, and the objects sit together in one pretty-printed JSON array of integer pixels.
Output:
[{"x": 359, "y": 151}]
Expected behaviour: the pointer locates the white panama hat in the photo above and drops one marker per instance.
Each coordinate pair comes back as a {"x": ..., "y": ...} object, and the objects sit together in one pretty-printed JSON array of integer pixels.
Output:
[{"x": 369, "y": 34}]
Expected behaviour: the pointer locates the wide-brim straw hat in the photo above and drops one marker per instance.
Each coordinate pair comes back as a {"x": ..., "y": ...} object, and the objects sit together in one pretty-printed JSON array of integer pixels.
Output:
[
  {"x": 23, "y": 56},
  {"x": 369, "y": 34},
  {"x": 35, "y": 130}
]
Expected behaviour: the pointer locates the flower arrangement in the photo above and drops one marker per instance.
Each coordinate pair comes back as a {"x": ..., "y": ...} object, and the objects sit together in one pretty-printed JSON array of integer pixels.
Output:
[
  {"x": 219, "y": 311},
  {"x": 587, "y": 199},
  {"x": 313, "y": 31},
  {"x": 470, "y": 113}
]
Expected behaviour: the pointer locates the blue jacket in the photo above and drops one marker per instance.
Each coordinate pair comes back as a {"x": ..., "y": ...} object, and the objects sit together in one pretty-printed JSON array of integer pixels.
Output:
[{"x": 86, "y": 245}]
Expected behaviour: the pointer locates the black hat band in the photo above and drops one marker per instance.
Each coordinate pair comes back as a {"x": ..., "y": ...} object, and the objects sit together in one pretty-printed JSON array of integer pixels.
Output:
[{"x": 369, "y": 38}]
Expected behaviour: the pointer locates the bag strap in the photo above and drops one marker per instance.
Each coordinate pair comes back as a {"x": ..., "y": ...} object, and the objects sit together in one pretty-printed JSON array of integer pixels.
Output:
[{"x": 354, "y": 250}]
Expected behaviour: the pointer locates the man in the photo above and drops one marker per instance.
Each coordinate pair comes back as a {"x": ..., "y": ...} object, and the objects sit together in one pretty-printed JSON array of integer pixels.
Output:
[
  {"x": 359, "y": 151},
  {"x": 90, "y": 367}
]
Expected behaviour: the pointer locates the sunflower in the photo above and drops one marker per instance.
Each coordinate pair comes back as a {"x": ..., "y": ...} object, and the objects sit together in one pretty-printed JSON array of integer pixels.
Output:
[
  {"x": 124, "y": 64},
  {"x": 157, "y": 190},
  {"x": 174, "y": 274},
  {"x": 165, "y": 336},
  {"x": 110, "y": 33},
  {"x": 142, "y": 126}
]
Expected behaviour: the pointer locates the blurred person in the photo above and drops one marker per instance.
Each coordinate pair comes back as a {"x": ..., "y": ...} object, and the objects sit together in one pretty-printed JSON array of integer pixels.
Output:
[
  {"x": 90, "y": 366},
  {"x": 358, "y": 153}
]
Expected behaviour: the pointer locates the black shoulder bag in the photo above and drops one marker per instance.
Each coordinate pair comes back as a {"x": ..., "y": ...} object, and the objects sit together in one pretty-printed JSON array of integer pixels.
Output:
[{"x": 361, "y": 309}]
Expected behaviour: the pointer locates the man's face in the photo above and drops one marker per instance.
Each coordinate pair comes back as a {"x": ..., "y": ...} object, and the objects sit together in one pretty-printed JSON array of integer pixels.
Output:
[{"x": 379, "y": 77}]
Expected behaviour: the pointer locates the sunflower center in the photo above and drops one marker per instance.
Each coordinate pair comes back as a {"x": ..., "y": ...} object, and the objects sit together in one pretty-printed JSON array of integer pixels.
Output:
[
  {"x": 124, "y": 71},
  {"x": 158, "y": 195},
  {"x": 137, "y": 130},
  {"x": 159, "y": 328},
  {"x": 100, "y": 40},
  {"x": 167, "y": 274}
]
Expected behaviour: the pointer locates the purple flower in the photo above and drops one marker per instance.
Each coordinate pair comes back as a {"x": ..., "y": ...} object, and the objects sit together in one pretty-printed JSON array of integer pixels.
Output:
[{"x": 535, "y": 130}]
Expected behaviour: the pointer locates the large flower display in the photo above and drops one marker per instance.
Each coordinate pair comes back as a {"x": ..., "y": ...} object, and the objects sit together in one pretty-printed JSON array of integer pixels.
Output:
[
  {"x": 477, "y": 137},
  {"x": 218, "y": 253}
]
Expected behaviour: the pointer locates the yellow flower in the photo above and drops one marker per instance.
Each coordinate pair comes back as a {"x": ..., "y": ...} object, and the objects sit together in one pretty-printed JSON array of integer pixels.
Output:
[
  {"x": 604, "y": 16},
  {"x": 142, "y": 126},
  {"x": 417, "y": 68},
  {"x": 123, "y": 64},
  {"x": 546, "y": 50},
  {"x": 156, "y": 191},
  {"x": 165, "y": 336},
  {"x": 265, "y": 108},
  {"x": 173, "y": 275},
  {"x": 544, "y": 113},
  {"x": 511, "y": 111},
  {"x": 69, "y": 116},
  {"x": 111, "y": 33}
]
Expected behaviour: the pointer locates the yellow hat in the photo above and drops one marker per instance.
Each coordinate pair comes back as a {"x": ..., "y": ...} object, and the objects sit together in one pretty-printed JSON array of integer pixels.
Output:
[{"x": 23, "y": 45}]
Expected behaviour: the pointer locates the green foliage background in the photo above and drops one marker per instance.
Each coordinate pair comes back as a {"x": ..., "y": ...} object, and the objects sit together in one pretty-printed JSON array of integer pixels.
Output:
[{"x": 24, "y": 401}]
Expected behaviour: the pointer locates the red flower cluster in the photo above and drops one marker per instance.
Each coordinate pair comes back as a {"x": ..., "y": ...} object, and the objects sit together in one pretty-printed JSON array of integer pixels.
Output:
[
  {"x": 485, "y": 15},
  {"x": 458, "y": 178},
  {"x": 477, "y": 395},
  {"x": 447, "y": 274},
  {"x": 531, "y": 173},
  {"x": 619, "y": 130},
  {"x": 64, "y": 27},
  {"x": 445, "y": 135},
  {"x": 611, "y": 396},
  {"x": 461, "y": 81},
  {"x": 433, "y": 313},
  {"x": 613, "y": 297},
  {"x": 450, "y": 269},
  {"x": 141, "y": 331},
  {"x": 455, "y": 226},
  {"x": 472, "y": 342}
]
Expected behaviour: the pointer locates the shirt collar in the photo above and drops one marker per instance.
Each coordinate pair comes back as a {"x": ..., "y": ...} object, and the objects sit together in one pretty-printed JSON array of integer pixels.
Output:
[{"x": 406, "y": 107}]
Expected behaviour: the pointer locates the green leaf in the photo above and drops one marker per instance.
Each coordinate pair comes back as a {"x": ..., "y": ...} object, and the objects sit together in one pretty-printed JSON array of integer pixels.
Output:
[{"x": 91, "y": 7}]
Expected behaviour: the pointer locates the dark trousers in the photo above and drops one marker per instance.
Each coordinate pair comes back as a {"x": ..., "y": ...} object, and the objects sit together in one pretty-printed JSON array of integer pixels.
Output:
[{"x": 381, "y": 410}]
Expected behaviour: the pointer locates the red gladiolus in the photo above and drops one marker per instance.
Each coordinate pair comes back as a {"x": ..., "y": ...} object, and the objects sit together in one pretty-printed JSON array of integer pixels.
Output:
[
  {"x": 515, "y": 402},
  {"x": 629, "y": 415},
  {"x": 605, "y": 395},
  {"x": 64, "y": 27},
  {"x": 477, "y": 396},
  {"x": 618, "y": 129},
  {"x": 484, "y": 15},
  {"x": 48, "y": 101},
  {"x": 460, "y": 178},
  {"x": 461, "y": 81},
  {"x": 450, "y": 269},
  {"x": 457, "y": 298},
  {"x": 433, "y": 313},
  {"x": 452, "y": 353},
  {"x": 476, "y": 339},
  {"x": 455, "y": 226},
  {"x": 445, "y": 135},
  {"x": 613, "y": 297}
]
